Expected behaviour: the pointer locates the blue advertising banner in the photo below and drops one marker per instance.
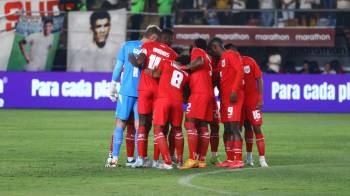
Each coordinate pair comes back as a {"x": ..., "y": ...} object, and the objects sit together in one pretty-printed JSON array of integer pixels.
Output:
[{"x": 282, "y": 93}]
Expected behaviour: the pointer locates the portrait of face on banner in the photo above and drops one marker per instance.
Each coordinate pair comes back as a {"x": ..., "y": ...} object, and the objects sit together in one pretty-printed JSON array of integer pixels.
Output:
[
  {"x": 94, "y": 39},
  {"x": 35, "y": 43}
]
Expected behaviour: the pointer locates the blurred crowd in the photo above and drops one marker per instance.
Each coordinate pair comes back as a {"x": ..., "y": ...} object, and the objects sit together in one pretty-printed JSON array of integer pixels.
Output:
[
  {"x": 229, "y": 12},
  {"x": 275, "y": 65}
]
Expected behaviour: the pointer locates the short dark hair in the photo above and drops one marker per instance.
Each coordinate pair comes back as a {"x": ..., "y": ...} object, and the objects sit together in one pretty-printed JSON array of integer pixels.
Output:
[
  {"x": 98, "y": 15},
  {"x": 167, "y": 32},
  {"x": 201, "y": 43},
  {"x": 152, "y": 29},
  {"x": 47, "y": 20},
  {"x": 230, "y": 46},
  {"x": 216, "y": 40}
]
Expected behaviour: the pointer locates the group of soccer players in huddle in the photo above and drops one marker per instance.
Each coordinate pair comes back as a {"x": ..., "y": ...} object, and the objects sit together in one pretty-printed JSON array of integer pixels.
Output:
[{"x": 154, "y": 84}]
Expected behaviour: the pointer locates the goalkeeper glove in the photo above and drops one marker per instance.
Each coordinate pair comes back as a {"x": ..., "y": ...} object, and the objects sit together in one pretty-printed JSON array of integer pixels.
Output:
[{"x": 112, "y": 92}]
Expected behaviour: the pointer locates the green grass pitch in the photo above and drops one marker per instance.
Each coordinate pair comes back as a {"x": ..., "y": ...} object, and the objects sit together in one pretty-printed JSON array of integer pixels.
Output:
[{"x": 63, "y": 153}]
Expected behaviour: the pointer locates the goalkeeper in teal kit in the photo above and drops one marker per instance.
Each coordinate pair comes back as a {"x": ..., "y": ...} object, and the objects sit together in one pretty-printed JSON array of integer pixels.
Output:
[{"x": 128, "y": 94}]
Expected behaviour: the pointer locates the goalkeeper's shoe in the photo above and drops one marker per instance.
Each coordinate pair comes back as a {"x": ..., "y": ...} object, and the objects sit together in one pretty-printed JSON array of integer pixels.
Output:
[
  {"x": 112, "y": 163},
  {"x": 215, "y": 160},
  {"x": 263, "y": 162},
  {"x": 130, "y": 163},
  {"x": 202, "y": 164},
  {"x": 190, "y": 163}
]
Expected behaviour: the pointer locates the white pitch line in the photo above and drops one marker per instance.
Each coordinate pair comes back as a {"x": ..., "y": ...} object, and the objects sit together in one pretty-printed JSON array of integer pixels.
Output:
[{"x": 186, "y": 181}]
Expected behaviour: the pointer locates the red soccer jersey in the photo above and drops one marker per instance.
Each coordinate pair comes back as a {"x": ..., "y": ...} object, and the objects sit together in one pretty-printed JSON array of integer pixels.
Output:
[
  {"x": 155, "y": 53},
  {"x": 171, "y": 81},
  {"x": 251, "y": 73},
  {"x": 200, "y": 79},
  {"x": 231, "y": 72}
]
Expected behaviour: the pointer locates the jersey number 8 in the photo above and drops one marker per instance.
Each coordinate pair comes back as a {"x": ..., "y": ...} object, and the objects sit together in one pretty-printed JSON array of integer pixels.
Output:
[{"x": 176, "y": 79}]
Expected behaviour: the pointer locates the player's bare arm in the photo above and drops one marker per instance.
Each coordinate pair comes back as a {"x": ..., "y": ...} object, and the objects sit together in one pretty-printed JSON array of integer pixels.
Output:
[
  {"x": 137, "y": 62},
  {"x": 199, "y": 61},
  {"x": 22, "y": 44},
  {"x": 260, "y": 93}
]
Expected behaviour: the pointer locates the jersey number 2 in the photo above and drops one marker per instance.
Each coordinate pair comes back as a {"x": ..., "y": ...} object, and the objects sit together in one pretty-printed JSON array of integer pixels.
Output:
[{"x": 176, "y": 79}]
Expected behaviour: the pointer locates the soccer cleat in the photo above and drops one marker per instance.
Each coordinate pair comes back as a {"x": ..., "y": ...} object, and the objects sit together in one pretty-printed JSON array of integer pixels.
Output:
[
  {"x": 147, "y": 163},
  {"x": 165, "y": 166},
  {"x": 236, "y": 164},
  {"x": 156, "y": 164},
  {"x": 190, "y": 163},
  {"x": 138, "y": 163},
  {"x": 215, "y": 160},
  {"x": 202, "y": 164},
  {"x": 249, "y": 161},
  {"x": 179, "y": 165},
  {"x": 173, "y": 159},
  {"x": 226, "y": 163},
  {"x": 130, "y": 163},
  {"x": 263, "y": 163}
]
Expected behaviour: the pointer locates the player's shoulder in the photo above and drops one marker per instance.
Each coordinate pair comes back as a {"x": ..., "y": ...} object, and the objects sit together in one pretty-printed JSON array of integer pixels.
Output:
[
  {"x": 133, "y": 43},
  {"x": 198, "y": 50},
  {"x": 248, "y": 59}
]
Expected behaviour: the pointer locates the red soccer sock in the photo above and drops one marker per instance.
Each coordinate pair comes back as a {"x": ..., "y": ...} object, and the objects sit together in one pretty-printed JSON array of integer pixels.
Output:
[
  {"x": 130, "y": 140},
  {"x": 142, "y": 138},
  {"x": 192, "y": 139},
  {"x": 162, "y": 144},
  {"x": 156, "y": 151},
  {"x": 237, "y": 149},
  {"x": 171, "y": 140},
  {"x": 111, "y": 145},
  {"x": 260, "y": 143},
  {"x": 249, "y": 140},
  {"x": 214, "y": 137},
  {"x": 179, "y": 144},
  {"x": 228, "y": 141},
  {"x": 204, "y": 141}
]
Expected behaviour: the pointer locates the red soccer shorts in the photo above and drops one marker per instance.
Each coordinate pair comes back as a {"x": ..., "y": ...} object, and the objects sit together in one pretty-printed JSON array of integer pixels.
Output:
[
  {"x": 167, "y": 110},
  {"x": 200, "y": 106},
  {"x": 250, "y": 113},
  {"x": 216, "y": 113},
  {"x": 231, "y": 112},
  {"x": 146, "y": 100}
]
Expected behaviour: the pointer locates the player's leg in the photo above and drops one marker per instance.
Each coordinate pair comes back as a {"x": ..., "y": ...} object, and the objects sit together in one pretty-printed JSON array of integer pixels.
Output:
[
  {"x": 204, "y": 139},
  {"x": 249, "y": 140},
  {"x": 130, "y": 141},
  {"x": 144, "y": 111},
  {"x": 228, "y": 138},
  {"x": 260, "y": 143},
  {"x": 124, "y": 107},
  {"x": 171, "y": 141},
  {"x": 214, "y": 142},
  {"x": 192, "y": 141},
  {"x": 176, "y": 117},
  {"x": 161, "y": 114},
  {"x": 214, "y": 133}
]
